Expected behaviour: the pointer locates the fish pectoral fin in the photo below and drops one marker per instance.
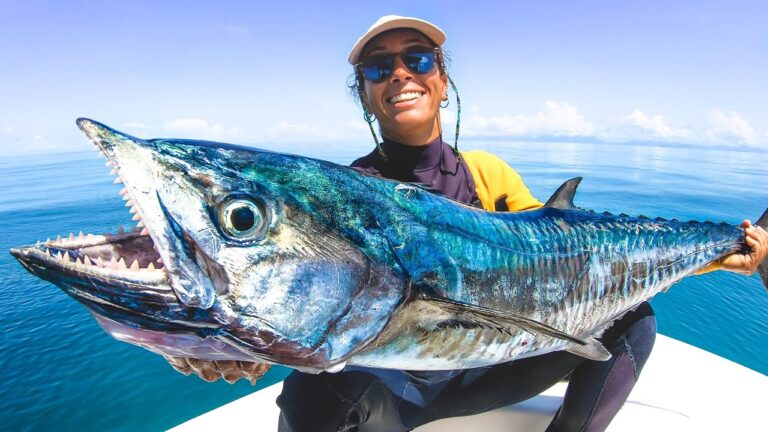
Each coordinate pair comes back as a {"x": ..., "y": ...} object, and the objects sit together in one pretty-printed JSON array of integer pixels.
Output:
[
  {"x": 593, "y": 350},
  {"x": 473, "y": 316}
]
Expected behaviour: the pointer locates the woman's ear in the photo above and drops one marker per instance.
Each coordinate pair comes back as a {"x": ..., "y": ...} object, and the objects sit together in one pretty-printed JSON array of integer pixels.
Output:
[
  {"x": 364, "y": 100},
  {"x": 444, "y": 78}
]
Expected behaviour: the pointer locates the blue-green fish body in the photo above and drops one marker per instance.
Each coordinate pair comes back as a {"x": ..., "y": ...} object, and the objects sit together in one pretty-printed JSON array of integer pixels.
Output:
[{"x": 265, "y": 257}]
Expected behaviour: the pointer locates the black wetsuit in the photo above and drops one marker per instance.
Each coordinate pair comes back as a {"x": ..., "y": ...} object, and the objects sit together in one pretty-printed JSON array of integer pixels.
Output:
[{"x": 366, "y": 399}]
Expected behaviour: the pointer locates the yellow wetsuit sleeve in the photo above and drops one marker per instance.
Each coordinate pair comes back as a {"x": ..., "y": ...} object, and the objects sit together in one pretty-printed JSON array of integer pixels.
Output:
[{"x": 495, "y": 179}]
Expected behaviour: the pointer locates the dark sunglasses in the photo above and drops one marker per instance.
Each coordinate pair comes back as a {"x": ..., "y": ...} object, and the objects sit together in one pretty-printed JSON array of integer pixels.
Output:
[{"x": 379, "y": 67}]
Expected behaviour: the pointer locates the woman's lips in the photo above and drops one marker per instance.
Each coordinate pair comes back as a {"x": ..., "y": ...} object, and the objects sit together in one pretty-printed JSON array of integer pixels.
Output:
[{"x": 405, "y": 97}]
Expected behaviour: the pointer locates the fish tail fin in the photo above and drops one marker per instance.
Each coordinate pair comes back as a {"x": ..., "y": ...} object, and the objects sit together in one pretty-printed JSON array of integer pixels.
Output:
[{"x": 762, "y": 269}]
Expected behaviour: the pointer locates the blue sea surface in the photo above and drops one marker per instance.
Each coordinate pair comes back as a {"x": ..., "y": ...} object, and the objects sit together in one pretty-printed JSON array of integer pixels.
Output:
[{"x": 60, "y": 371}]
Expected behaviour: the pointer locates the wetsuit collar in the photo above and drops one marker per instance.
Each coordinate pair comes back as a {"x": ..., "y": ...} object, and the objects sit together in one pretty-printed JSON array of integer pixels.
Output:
[{"x": 414, "y": 158}]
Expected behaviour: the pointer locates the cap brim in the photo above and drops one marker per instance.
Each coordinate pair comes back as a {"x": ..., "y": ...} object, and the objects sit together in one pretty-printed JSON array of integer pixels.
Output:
[{"x": 430, "y": 30}]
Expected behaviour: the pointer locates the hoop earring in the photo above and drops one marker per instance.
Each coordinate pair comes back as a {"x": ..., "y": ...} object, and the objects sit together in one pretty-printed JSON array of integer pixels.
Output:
[
  {"x": 446, "y": 102},
  {"x": 370, "y": 118}
]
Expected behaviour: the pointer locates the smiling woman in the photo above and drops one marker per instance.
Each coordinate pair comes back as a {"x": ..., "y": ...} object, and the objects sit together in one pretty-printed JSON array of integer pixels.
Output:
[{"x": 407, "y": 89}]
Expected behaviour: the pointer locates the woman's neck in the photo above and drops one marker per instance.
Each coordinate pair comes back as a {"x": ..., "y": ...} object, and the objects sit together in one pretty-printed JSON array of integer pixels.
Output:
[{"x": 414, "y": 138}]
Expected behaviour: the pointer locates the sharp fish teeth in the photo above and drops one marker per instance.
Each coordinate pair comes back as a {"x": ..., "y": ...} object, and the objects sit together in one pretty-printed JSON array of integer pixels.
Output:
[
  {"x": 59, "y": 255},
  {"x": 88, "y": 260},
  {"x": 79, "y": 261},
  {"x": 123, "y": 191},
  {"x": 140, "y": 224},
  {"x": 118, "y": 180},
  {"x": 136, "y": 217},
  {"x": 135, "y": 265},
  {"x": 47, "y": 252},
  {"x": 144, "y": 231},
  {"x": 121, "y": 263},
  {"x": 99, "y": 262},
  {"x": 151, "y": 266},
  {"x": 113, "y": 171}
]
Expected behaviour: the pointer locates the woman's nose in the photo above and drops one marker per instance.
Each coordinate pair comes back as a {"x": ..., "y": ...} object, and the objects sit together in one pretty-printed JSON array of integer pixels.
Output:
[{"x": 401, "y": 71}]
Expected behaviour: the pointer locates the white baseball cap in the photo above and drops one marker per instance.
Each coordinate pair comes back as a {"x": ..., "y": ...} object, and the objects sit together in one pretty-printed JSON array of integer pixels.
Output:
[{"x": 390, "y": 22}]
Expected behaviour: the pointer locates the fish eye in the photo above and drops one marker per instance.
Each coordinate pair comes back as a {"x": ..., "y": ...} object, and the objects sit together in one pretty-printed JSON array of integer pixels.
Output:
[{"x": 242, "y": 218}]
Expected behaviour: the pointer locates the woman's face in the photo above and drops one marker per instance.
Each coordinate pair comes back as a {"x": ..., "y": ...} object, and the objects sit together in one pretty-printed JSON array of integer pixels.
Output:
[{"x": 406, "y": 104}]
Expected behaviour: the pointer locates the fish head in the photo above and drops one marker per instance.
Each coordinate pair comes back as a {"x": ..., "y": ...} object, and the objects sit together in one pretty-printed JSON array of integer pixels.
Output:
[{"x": 261, "y": 258}]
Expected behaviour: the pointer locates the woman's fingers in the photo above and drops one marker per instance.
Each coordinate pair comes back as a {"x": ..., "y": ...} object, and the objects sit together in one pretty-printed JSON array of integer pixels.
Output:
[{"x": 210, "y": 370}]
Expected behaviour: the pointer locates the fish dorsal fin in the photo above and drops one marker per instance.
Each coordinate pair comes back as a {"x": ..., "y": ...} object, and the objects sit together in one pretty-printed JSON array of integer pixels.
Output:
[{"x": 563, "y": 197}]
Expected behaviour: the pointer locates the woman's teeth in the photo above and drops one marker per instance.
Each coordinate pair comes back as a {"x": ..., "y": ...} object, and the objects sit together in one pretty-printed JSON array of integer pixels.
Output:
[{"x": 407, "y": 96}]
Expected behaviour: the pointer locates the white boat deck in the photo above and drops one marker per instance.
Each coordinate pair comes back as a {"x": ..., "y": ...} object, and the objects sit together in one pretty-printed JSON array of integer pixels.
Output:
[{"x": 682, "y": 388}]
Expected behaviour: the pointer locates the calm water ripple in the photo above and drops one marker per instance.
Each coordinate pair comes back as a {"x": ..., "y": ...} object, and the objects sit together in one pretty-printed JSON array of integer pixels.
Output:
[{"x": 60, "y": 371}]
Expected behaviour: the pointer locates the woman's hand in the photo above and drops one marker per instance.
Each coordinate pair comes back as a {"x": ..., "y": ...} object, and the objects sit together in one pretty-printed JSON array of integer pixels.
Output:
[
  {"x": 211, "y": 371},
  {"x": 746, "y": 263}
]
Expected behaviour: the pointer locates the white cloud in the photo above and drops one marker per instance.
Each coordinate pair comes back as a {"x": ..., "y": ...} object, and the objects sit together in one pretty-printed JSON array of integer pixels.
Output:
[
  {"x": 639, "y": 126},
  {"x": 729, "y": 128},
  {"x": 557, "y": 119},
  {"x": 655, "y": 126}
]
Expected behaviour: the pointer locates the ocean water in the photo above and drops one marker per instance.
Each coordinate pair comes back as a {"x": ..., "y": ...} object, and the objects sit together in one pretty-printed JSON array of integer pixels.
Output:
[{"x": 60, "y": 371}]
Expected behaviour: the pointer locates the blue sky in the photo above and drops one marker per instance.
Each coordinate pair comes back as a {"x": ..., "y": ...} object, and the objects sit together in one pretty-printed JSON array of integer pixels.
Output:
[{"x": 273, "y": 73}]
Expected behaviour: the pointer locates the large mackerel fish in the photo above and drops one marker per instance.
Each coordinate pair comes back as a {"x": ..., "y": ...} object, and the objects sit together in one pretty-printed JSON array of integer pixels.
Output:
[{"x": 262, "y": 257}]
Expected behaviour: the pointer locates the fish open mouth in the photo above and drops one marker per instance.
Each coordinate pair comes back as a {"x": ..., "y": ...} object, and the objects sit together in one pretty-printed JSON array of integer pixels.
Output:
[
  {"x": 130, "y": 254},
  {"x": 120, "y": 253}
]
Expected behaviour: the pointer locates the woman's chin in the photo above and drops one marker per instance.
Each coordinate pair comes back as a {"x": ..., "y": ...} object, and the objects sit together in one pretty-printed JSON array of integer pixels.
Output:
[{"x": 411, "y": 119}]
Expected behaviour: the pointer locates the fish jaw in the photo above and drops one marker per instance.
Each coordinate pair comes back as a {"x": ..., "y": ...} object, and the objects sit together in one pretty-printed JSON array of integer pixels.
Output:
[
  {"x": 91, "y": 272},
  {"x": 143, "y": 169}
]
